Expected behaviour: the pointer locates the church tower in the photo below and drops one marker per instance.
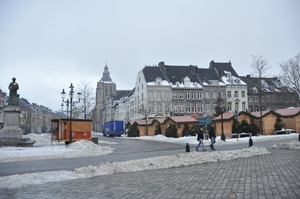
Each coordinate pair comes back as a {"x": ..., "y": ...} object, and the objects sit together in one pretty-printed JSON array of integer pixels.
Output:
[{"x": 106, "y": 89}]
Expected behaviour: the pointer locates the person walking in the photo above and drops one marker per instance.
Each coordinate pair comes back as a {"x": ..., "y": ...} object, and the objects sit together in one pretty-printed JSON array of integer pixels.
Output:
[
  {"x": 212, "y": 136},
  {"x": 200, "y": 139}
]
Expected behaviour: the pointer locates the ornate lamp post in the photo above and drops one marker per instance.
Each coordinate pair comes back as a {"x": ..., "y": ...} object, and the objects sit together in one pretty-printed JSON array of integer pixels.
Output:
[
  {"x": 71, "y": 104},
  {"x": 67, "y": 102},
  {"x": 222, "y": 135}
]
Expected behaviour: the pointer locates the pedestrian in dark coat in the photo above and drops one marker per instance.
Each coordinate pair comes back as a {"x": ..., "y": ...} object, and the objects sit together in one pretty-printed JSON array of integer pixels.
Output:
[
  {"x": 212, "y": 136},
  {"x": 200, "y": 139}
]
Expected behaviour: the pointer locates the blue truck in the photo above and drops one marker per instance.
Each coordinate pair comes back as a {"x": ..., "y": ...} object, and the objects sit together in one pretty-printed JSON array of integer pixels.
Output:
[{"x": 113, "y": 128}]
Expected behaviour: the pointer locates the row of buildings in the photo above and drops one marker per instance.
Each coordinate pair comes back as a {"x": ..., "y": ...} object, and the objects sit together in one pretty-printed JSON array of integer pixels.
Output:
[{"x": 168, "y": 90}]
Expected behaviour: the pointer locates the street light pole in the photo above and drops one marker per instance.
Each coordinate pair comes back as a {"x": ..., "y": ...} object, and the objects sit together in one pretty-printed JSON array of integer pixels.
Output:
[
  {"x": 70, "y": 102},
  {"x": 222, "y": 135}
]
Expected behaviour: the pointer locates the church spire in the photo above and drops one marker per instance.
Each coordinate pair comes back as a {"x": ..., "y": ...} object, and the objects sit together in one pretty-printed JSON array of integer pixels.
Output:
[{"x": 106, "y": 77}]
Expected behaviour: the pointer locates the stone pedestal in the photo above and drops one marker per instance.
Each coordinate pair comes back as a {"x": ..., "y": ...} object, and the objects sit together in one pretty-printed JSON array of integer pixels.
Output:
[{"x": 11, "y": 134}]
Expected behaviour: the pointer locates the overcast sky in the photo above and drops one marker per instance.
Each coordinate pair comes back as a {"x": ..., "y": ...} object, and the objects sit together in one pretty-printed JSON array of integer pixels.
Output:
[{"x": 47, "y": 44}]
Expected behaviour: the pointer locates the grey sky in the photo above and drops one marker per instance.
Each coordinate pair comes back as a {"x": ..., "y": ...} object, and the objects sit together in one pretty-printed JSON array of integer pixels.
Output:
[{"x": 48, "y": 44}]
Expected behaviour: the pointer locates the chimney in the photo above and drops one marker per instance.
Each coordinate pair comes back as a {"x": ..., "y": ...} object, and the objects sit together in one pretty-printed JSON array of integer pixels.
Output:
[
  {"x": 161, "y": 65},
  {"x": 248, "y": 76}
]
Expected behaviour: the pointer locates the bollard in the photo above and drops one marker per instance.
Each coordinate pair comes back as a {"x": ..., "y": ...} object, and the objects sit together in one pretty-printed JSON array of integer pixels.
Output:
[
  {"x": 299, "y": 137},
  {"x": 250, "y": 142},
  {"x": 187, "y": 148}
]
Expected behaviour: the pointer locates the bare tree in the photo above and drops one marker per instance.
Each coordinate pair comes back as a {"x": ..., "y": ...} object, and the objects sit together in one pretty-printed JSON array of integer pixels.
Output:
[
  {"x": 290, "y": 73},
  {"x": 145, "y": 111},
  {"x": 260, "y": 67},
  {"x": 87, "y": 100}
]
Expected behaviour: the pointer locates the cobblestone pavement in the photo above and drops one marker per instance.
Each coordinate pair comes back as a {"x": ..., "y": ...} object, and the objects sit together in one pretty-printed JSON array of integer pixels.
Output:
[{"x": 274, "y": 175}]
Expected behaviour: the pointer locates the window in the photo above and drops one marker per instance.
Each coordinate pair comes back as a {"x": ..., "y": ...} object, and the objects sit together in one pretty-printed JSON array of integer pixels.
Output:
[
  {"x": 175, "y": 109},
  {"x": 175, "y": 96},
  {"x": 150, "y": 96},
  {"x": 214, "y": 94},
  {"x": 159, "y": 108},
  {"x": 243, "y": 106},
  {"x": 207, "y": 106},
  {"x": 229, "y": 107},
  {"x": 193, "y": 109},
  {"x": 187, "y": 108},
  {"x": 236, "y": 94},
  {"x": 110, "y": 89},
  {"x": 200, "y": 109},
  {"x": 187, "y": 95},
  {"x": 249, "y": 99},
  {"x": 167, "y": 96},
  {"x": 206, "y": 94},
  {"x": 228, "y": 94},
  {"x": 151, "y": 109},
  {"x": 236, "y": 106},
  {"x": 200, "y": 95},
  {"x": 181, "y": 109},
  {"x": 254, "y": 90},
  {"x": 193, "y": 95},
  {"x": 222, "y": 94},
  {"x": 243, "y": 94},
  {"x": 142, "y": 96},
  {"x": 255, "y": 99},
  {"x": 181, "y": 96},
  {"x": 158, "y": 96}
]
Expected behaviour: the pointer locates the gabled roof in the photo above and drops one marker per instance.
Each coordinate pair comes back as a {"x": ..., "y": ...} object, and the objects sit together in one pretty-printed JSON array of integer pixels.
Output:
[
  {"x": 152, "y": 72},
  {"x": 178, "y": 73},
  {"x": 220, "y": 67},
  {"x": 206, "y": 74},
  {"x": 289, "y": 111},
  {"x": 226, "y": 116},
  {"x": 267, "y": 84}
]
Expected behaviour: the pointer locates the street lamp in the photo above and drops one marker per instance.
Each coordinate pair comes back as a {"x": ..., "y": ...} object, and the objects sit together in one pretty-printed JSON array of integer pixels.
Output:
[
  {"x": 71, "y": 104},
  {"x": 67, "y": 102},
  {"x": 222, "y": 135}
]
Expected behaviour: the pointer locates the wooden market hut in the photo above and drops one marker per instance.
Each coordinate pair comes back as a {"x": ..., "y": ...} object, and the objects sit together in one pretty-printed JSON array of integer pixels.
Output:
[
  {"x": 290, "y": 117},
  {"x": 228, "y": 118},
  {"x": 161, "y": 124},
  {"x": 268, "y": 119}
]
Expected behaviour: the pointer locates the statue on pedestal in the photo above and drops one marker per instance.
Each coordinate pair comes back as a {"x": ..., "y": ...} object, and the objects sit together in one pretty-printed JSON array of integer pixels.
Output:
[
  {"x": 13, "y": 96},
  {"x": 11, "y": 133}
]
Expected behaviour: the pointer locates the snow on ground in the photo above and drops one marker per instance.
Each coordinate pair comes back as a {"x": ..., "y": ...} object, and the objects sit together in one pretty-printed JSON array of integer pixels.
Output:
[
  {"x": 193, "y": 140},
  {"x": 44, "y": 149},
  {"x": 83, "y": 148},
  {"x": 288, "y": 145}
]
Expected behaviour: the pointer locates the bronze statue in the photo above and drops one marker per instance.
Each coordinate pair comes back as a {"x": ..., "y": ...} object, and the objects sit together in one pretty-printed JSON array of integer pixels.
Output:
[{"x": 13, "y": 96}]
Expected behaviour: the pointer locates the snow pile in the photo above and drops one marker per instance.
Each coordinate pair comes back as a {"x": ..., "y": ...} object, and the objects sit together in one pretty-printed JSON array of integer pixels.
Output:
[
  {"x": 47, "y": 151},
  {"x": 40, "y": 139},
  {"x": 86, "y": 145},
  {"x": 163, "y": 162},
  {"x": 288, "y": 145}
]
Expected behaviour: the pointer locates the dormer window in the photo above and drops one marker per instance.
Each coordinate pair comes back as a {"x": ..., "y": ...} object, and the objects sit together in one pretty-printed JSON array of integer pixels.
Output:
[
  {"x": 254, "y": 90},
  {"x": 213, "y": 82},
  {"x": 228, "y": 75},
  {"x": 187, "y": 82},
  {"x": 158, "y": 81}
]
